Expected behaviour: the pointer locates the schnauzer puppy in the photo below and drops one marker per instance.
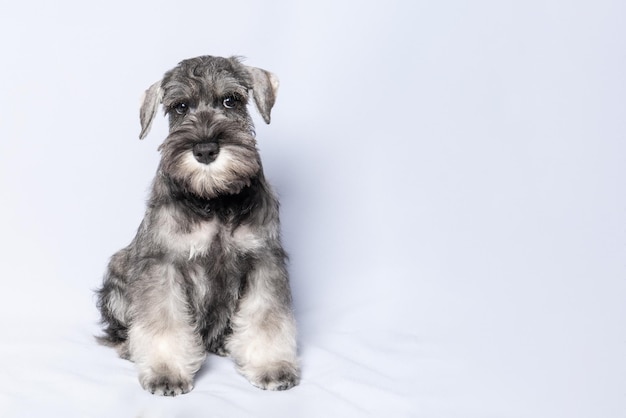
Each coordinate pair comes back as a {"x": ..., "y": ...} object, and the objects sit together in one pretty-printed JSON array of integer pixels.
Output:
[{"x": 206, "y": 270}]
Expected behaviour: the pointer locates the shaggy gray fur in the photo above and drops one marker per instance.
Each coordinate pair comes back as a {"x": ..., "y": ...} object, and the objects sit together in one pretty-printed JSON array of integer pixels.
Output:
[{"x": 206, "y": 270}]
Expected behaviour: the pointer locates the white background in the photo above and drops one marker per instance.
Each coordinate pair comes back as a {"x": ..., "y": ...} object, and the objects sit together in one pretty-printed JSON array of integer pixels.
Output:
[{"x": 453, "y": 186}]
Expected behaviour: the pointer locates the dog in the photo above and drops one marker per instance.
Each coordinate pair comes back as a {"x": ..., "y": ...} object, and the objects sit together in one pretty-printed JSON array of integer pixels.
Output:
[{"x": 206, "y": 271}]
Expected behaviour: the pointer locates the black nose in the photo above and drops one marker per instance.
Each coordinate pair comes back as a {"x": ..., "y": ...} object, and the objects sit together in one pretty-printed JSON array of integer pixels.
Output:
[{"x": 206, "y": 152}]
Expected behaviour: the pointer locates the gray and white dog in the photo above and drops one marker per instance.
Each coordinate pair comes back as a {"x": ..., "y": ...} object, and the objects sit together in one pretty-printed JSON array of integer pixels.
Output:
[{"x": 206, "y": 270}]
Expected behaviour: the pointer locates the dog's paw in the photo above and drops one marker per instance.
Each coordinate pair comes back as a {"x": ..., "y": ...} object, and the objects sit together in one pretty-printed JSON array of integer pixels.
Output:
[
  {"x": 278, "y": 378},
  {"x": 165, "y": 385}
]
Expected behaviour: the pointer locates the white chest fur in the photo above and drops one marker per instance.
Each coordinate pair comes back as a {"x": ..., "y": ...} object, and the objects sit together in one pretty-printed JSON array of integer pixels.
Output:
[
  {"x": 188, "y": 243},
  {"x": 185, "y": 242}
]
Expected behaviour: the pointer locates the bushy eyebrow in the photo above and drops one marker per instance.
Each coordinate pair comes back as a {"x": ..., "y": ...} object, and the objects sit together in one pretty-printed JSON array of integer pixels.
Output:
[{"x": 177, "y": 92}]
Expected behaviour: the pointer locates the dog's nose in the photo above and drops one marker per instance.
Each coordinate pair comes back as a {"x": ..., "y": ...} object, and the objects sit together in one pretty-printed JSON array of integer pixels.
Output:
[{"x": 206, "y": 152}]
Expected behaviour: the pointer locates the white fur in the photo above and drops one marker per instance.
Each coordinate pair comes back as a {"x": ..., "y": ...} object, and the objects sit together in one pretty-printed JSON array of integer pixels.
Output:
[
  {"x": 207, "y": 178},
  {"x": 247, "y": 239},
  {"x": 264, "y": 338},
  {"x": 185, "y": 244},
  {"x": 167, "y": 348},
  {"x": 212, "y": 179},
  {"x": 118, "y": 304}
]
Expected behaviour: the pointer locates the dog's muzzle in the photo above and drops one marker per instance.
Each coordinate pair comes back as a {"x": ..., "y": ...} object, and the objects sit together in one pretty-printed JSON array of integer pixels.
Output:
[{"x": 206, "y": 152}]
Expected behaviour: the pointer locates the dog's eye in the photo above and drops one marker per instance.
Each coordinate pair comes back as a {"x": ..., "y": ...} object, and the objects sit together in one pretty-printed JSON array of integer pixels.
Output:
[
  {"x": 180, "y": 108},
  {"x": 230, "y": 102}
]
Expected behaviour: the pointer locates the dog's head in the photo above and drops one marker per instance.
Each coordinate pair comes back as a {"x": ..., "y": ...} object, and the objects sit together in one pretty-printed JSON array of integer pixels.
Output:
[{"x": 210, "y": 149}]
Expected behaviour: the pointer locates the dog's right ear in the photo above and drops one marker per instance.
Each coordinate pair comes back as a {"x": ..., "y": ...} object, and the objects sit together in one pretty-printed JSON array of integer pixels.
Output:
[{"x": 150, "y": 104}]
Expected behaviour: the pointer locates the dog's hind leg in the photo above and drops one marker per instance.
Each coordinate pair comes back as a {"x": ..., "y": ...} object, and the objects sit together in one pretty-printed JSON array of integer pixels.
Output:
[
  {"x": 113, "y": 303},
  {"x": 162, "y": 338}
]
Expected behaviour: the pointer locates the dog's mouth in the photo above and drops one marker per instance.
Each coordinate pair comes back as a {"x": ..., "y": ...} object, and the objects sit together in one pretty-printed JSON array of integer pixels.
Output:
[{"x": 206, "y": 152}]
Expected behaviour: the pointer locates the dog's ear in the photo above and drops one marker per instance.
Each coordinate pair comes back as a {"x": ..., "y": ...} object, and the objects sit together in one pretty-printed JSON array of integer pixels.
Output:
[
  {"x": 264, "y": 89},
  {"x": 150, "y": 104}
]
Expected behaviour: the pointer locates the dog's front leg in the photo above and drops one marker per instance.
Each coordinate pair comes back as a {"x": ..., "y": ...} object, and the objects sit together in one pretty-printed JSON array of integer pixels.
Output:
[
  {"x": 162, "y": 338},
  {"x": 263, "y": 342}
]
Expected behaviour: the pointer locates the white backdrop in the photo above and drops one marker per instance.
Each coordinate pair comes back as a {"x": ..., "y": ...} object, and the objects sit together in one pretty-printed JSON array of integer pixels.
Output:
[{"x": 452, "y": 177}]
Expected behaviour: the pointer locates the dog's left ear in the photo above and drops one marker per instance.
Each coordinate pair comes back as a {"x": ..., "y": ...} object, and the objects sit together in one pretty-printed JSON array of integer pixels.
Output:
[
  {"x": 150, "y": 104},
  {"x": 264, "y": 89}
]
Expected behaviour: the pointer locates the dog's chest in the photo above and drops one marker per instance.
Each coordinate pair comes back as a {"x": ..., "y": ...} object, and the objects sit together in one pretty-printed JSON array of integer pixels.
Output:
[
  {"x": 206, "y": 238},
  {"x": 197, "y": 242}
]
